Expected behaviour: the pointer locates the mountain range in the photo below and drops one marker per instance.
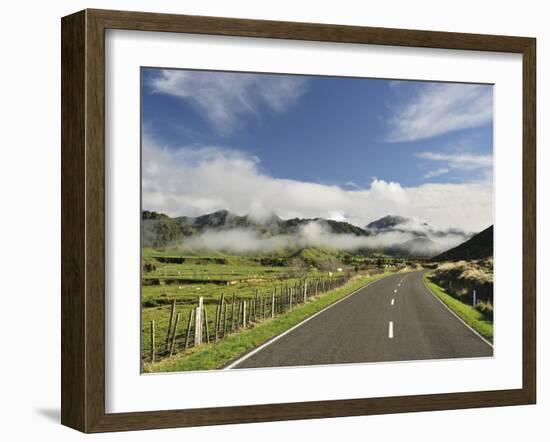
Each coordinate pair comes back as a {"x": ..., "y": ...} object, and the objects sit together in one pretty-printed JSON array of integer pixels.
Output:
[{"x": 394, "y": 235}]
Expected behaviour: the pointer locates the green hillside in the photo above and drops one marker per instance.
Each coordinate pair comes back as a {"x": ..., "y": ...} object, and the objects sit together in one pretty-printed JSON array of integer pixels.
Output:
[{"x": 478, "y": 247}]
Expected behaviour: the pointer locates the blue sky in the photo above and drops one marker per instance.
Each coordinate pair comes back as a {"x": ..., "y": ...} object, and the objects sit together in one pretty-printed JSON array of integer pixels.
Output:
[{"x": 372, "y": 139}]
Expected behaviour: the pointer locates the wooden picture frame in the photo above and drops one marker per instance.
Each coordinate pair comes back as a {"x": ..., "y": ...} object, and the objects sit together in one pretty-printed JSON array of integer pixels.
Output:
[{"x": 83, "y": 220}]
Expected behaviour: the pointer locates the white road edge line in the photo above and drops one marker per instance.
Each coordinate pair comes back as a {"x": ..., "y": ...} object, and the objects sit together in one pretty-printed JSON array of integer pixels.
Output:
[
  {"x": 390, "y": 330},
  {"x": 392, "y": 301},
  {"x": 276, "y": 338},
  {"x": 456, "y": 316}
]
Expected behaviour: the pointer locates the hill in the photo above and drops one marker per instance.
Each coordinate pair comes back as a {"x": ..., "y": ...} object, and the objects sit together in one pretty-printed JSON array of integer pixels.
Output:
[
  {"x": 160, "y": 230},
  {"x": 387, "y": 222},
  {"x": 272, "y": 225},
  {"x": 478, "y": 247},
  {"x": 226, "y": 231}
]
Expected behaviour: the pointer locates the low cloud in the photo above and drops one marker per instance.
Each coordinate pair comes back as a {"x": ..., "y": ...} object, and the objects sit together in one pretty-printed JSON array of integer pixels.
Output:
[
  {"x": 439, "y": 108},
  {"x": 317, "y": 234},
  {"x": 237, "y": 241},
  {"x": 194, "y": 181}
]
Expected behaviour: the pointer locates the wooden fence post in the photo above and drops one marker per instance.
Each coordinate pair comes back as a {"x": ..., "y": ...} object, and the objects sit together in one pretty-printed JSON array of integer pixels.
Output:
[
  {"x": 225, "y": 319},
  {"x": 174, "y": 334},
  {"x": 205, "y": 312},
  {"x": 255, "y": 305},
  {"x": 217, "y": 323},
  {"x": 273, "y": 305},
  {"x": 198, "y": 323},
  {"x": 238, "y": 316},
  {"x": 153, "y": 342},
  {"x": 305, "y": 291},
  {"x": 189, "y": 324},
  {"x": 239, "y": 313},
  {"x": 233, "y": 314},
  {"x": 217, "y": 319},
  {"x": 168, "y": 333},
  {"x": 222, "y": 305}
]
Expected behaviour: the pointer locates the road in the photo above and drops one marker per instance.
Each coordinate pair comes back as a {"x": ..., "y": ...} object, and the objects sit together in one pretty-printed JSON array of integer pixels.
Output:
[{"x": 395, "y": 318}]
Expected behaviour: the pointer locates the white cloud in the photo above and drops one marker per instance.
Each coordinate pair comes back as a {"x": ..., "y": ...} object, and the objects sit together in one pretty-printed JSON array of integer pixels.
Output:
[
  {"x": 237, "y": 240},
  {"x": 465, "y": 161},
  {"x": 223, "y": 98},
  {"x": 353, "y": 185},
  {"x": 316, "y": 234},
  {"x": 191, "y": 181},
  {"x": 437, "y": 172},
  {"x": 439, "y": 108}
]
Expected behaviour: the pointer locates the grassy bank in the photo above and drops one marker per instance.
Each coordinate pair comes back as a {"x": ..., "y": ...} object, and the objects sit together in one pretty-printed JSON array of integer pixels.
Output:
[
  {"x": 217, "y": 355},
  {"x": 471, "y": 316}
]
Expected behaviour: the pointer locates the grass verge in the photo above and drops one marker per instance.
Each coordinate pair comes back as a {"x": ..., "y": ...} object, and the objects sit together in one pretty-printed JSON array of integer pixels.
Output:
[
  {"x": 217, "y": 355},
  {"x": 467, "y": 313}
]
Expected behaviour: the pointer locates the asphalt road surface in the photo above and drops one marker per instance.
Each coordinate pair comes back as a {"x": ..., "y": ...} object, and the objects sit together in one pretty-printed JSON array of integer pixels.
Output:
[{"x": 393, "y": 319}]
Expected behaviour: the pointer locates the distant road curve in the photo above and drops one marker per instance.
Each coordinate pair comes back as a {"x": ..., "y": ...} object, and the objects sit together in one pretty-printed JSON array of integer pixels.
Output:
[{"x": 396, "y": 318}]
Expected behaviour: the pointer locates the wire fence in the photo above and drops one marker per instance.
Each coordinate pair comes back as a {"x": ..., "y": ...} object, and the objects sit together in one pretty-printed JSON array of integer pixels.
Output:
[{"x": 188, "y": 326}]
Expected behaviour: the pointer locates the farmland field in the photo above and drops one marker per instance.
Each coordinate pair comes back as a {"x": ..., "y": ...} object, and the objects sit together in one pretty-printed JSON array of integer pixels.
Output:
[{"x": 177, "y": 281}]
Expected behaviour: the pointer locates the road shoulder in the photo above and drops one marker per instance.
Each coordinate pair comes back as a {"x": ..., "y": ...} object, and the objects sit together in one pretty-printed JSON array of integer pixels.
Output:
[{"x": 468, "y": 315}]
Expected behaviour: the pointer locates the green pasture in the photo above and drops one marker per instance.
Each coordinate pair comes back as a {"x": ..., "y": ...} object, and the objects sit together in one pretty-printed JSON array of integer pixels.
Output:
[{"x": 217, "y": 355}]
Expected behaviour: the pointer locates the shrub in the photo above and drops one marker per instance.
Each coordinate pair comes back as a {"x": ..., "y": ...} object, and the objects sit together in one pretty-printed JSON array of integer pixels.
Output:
[
  {"x": 486, "y": 308},
  {"x": 460, "y": 278}
]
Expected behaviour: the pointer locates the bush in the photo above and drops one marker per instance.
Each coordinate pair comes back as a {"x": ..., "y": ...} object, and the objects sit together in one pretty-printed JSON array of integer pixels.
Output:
[
  {"x": 149, "y": 267},
  {"x": 485, "y": 308},
  {"x": 461, "y": 278}
]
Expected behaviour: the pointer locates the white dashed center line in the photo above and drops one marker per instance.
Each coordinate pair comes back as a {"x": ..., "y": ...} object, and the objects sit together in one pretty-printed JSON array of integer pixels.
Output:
[
  {"x": 395, "y": 291},
  {"x": 392, "y": 301},
  {"x": 390, "y": 330}
]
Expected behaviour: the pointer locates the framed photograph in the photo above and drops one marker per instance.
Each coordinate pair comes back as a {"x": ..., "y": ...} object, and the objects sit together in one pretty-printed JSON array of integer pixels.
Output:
[{"x": 269, "y": 220}]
